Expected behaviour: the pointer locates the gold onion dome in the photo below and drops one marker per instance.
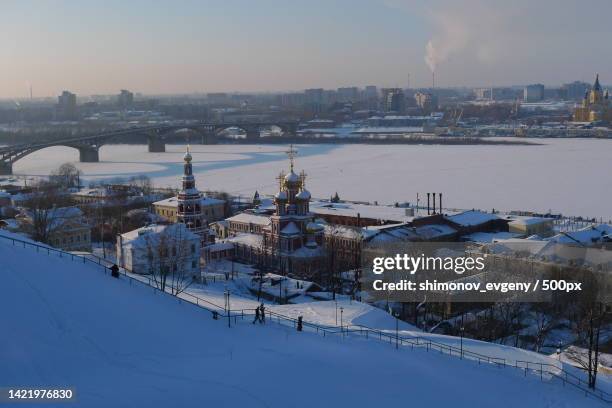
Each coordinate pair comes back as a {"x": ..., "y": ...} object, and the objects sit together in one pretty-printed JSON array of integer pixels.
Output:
[
  {"x": 303, "y": 195},
  {"x": 292, "y": 178},
  {"x": 281, "y": 196},
  {"x": 187, "y": 156}
]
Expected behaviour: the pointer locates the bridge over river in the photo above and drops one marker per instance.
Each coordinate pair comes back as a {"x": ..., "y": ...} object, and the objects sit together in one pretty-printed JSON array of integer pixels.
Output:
[{"x": 156, "y": 135}]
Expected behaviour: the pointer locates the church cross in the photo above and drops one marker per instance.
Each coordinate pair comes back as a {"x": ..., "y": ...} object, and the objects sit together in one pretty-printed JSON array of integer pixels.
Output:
[{"x": 291, "y": 153}]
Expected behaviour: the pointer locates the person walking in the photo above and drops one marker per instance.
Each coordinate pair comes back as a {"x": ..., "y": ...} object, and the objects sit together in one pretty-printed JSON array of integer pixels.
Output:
[
  {"x": 262, "y": 311},
  {"x": 114, "y": 271},
  {"x": 256, "y": 315}
]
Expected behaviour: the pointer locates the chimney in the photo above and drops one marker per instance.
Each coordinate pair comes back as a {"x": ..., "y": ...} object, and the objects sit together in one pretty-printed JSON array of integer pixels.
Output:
[
  {"x": 434, "y": 202},
  {"x": 441, "y": 210},
  {"x": 358, "y": 220},
  {"x": 427, "y": 203}
]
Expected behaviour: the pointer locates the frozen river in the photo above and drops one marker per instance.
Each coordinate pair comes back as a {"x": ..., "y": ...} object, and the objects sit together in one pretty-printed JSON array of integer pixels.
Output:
[{"x": 572, "y": 176}]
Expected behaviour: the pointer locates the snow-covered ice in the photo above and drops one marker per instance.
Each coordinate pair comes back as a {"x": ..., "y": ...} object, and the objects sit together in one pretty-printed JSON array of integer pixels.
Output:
[{"x": 562, "y": 175}]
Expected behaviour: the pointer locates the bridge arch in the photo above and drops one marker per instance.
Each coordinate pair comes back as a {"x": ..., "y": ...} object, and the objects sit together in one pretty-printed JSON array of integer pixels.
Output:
[
  {"x": 156, "y": 135},
  {"x": 87, "y": 154}
]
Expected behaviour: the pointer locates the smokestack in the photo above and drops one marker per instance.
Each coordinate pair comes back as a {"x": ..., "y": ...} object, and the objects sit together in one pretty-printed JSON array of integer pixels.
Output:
[
  {"x": 427, "y": 203},
  {"x": 434, "y": 202},
  {"x": 441, "y": 203},
  {"x": 358, "y": 220}
]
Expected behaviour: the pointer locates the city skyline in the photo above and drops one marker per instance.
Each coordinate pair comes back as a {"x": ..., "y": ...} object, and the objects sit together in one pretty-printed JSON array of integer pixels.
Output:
[{"x": 198, "y": 47}]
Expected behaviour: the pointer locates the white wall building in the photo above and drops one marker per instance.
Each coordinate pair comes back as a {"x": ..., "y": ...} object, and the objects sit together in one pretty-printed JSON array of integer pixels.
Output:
[{"x": 160, "y": 248}]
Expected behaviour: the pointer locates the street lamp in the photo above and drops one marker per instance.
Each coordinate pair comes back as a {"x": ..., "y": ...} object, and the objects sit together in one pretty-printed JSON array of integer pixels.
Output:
[
  {"x": 336, "y": 302},
  {"x": 228, "y": 308},
  {"x": 341, "y": 321},
  {"x": 396, "y": 314},
  {"x": 462, "y": 329}
]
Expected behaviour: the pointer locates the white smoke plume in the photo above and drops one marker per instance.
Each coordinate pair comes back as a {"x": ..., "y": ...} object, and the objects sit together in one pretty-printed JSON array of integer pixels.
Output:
[{"x": 452, "y": 36}]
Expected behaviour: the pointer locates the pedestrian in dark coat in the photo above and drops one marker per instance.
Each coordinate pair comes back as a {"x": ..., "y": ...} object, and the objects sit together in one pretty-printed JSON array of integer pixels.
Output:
[
  {"x": 114, "y": 271},
  {"x": 256, "y": 315},
  {"x": 263, "y": 313}
]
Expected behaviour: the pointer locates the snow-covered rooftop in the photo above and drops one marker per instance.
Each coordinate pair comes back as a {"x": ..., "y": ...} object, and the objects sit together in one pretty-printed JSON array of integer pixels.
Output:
[
  {"x": 347, "y": 209},
  {"x": 435, "y": 231},
  {"x": 586, "y": 236},
  {"x": 520, "y": 220},
  {"x": 248, "y": 239},
  {"x": 173, "y": 202},
  {"x": 144, "y": 236},
  {"x": 471, "y": 218},
  {"x": 489, "y": 237},
  {"x": 250, "y": 219}
]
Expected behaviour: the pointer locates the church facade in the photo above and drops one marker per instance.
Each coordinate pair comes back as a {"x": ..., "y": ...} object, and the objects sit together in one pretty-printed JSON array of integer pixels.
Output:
[
  {"x": 595, "y": 106},
  {"x": 289, "y": 240},
  {"x": 189, "y": 207}
]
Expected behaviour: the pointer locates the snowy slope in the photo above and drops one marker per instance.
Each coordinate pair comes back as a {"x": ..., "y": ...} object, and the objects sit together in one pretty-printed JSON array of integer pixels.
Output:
[{"x": 66, "y": 324}]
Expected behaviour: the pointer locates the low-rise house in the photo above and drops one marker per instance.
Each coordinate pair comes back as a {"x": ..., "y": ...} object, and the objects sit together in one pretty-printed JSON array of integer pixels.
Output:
[
  {"x": 528, "y": 226},
  {"x": 158, "y": 249},
  {"x": 471, "y": 221},
  {"x": 217, "y": 251},
  {"x": 99, "y": 195},
  {"x": 65, "y": 228},
  {"x": 247, "y": 223},
  {"x": 220, "y": 229},
  {"x": 359, "y": 214},
  {"x": 213, "y": 209}
]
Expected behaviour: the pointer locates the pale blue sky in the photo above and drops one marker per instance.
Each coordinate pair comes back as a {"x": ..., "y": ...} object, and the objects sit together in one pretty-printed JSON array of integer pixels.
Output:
[{"x": 185, "y": 46}]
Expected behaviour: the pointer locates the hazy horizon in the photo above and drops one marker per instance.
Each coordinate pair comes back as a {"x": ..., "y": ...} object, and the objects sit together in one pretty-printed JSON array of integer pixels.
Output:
[{"x": 194, "y": 47}]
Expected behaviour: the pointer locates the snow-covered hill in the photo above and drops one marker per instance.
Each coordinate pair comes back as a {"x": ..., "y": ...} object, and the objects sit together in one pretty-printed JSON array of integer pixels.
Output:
[{"x": 65, "y": 323}]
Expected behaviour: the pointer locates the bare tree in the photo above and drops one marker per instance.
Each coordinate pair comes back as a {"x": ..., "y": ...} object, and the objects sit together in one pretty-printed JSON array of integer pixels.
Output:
[
  {"x": 170, "y": 254},
  {"x": 41, "y": 219},
  {"x": 143, "y": 183},
  {"x": 67, "y": 175},
  {"x": 587, "y": 317},
  {"x": 508, "y": 318},
  {"x": 546, "y": 319}
]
